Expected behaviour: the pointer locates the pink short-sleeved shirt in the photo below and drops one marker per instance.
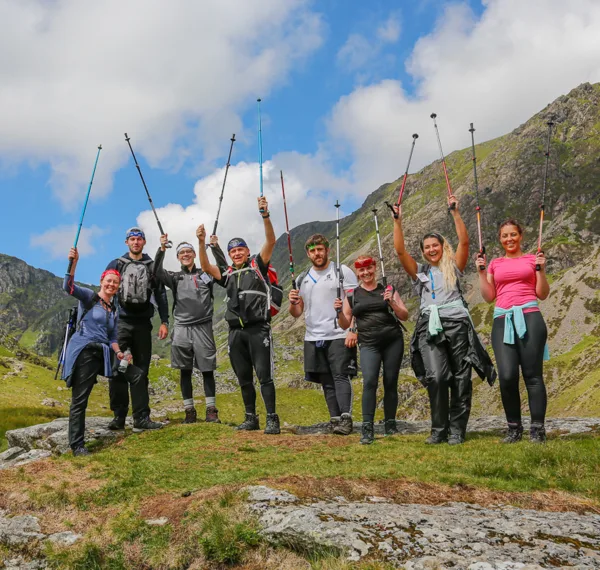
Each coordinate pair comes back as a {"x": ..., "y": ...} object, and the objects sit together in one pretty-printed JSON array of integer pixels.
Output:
[{"x": 514, "y": 278}]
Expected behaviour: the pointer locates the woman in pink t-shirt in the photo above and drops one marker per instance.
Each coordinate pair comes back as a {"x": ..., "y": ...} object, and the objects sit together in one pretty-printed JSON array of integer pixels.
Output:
[{"x": 519, "y": 332}]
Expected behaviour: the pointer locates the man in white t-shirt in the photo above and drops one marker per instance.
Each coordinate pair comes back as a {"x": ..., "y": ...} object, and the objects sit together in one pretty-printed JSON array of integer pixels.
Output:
[{"x": 329, "y": 350}]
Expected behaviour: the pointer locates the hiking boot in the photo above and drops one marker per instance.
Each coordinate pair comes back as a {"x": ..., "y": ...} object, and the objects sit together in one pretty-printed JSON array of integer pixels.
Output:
[
  {"x": 344, "y": 427},
  {"x": 368, "y": 433},
  {"x": 334, "y": 421},
  {"x": 144, "y": 424},
  {"x": 390, "y": 427},
  {"x": 191, "y": 416},
  {"x": 212, "y": 415},
  {"x": 250, "y": 423},
  {"x": 272, "y": 426},
  {"x": 117, "y": 423},
  {"x": 435, "y": 439},
  {"x": 537, "y": 434},
  {"x": 456, "y": 439},
  {"x": 514, "y": 433},
  {"x": 80, "y": 452}
]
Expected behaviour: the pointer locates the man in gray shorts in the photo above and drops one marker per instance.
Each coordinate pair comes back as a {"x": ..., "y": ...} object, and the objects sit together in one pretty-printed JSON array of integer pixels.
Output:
[{"x": 193, "y": 342}]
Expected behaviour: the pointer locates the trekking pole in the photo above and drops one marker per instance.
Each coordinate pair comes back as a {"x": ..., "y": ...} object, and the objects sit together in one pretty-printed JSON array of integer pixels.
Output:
[
  {"x": 63, "y": 351},
  {"x": 160, "y": 228},
  {"x": 260, "y": 151},
  {"x": 477, "y": 207},
  {"x": 85, "y": 203},
  {"x": 437, "y": 132},
  {"x": 287, "y": 231},
  {"x": 340, "y": 286},
  {"x": 232, "y": 139},
  {"x": 383, "y": 277},
  {"x": 412, "y": 148},
  {"x": 542, "y": 205}
]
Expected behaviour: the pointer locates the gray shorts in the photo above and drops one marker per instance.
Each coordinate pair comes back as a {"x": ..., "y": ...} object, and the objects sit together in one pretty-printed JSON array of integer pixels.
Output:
[{"x": 194, "y": 347}]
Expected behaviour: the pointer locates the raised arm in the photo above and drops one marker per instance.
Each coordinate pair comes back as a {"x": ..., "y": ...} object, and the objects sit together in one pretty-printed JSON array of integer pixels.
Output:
[
  {"x": 542, "y": 287},
  {"x": 407, "y": 261},
  {"x": 462, "y": 249},
  {"x": 205, "y": 263},
  {"x": 487, "y": 284},
  {"x": 160, "y": 272},
  {"x": 267, "y": 249},
  {"x": 80, "y": 293}
]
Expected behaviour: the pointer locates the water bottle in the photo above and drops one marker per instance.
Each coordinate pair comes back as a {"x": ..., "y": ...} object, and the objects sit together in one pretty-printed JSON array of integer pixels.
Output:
[{"x": 125, "y": 362}]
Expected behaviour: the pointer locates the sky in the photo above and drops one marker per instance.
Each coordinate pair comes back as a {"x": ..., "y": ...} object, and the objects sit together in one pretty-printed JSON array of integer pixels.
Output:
[{"x": 343, "y": 83}]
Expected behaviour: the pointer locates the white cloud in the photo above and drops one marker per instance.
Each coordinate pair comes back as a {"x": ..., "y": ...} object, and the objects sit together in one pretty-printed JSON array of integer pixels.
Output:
[
  {"x": 389, "y": 31},
  {"x": 57, "y": 241},
  {"x": 171, "y": 74},
  {"x": 356, "y": 52},
  {"x": 496, "y": 71},
  {"x": 310, "y": 195}
]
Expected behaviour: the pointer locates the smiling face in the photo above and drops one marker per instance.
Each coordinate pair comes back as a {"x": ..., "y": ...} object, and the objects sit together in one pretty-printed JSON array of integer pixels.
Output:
[
  {"x": 433, "y": 250},
  {"x": 135, "y": 244},
  {"x": 186, "y": 257},
  {"x": 239, "y": 255},
  {"x": 319, "y": 256},
  {"x": 367, "y": 274},
  {"x": 110, "y": 284},
  {"x": 511, "y": 239}
]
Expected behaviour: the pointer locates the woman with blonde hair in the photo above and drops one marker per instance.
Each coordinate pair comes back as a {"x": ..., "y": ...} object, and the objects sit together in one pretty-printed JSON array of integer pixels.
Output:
[
  {"x": 376, "y": 311},
  {"x": 444, "y": 347}
]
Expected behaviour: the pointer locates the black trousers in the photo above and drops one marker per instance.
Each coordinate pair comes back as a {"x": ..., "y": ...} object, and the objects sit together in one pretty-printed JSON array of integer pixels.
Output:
[
  {"x": 448, "y": 374},
  {"x": 137, "y": 337},
  {"x": 89, "y": 364},
  {"x": 528, "y": 355},
  {"x": 371, "y": 359},
  {"x": 250, "y": 349}
]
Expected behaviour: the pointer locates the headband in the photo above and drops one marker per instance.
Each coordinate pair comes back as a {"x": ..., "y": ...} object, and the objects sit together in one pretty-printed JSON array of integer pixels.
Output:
[
  {"x": 135, "y": 232},
  {"x": 311, "y": 246},
  {"x": 364, "y": 263},
  {"x": 236, "y": 242},
  {"x": 110, "y": 272},
  {"x": 185, "y": 245}
]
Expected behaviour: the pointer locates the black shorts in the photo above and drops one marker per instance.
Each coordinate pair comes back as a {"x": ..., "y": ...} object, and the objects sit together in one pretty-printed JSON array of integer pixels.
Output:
[{"x": 332, "y": 358}]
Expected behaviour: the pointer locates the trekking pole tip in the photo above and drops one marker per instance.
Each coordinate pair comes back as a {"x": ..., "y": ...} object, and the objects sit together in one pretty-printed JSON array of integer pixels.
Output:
[
  {"x": 337, "y": 203},
  {"x": 415, "y": 136},
  {"x": 472, "y": 129},
  {"x": 259, "y": 100},
  {"x": 99, "y": 147},
  {"x": 232, "y": 139},
  {"x": 433, "y": 115}
]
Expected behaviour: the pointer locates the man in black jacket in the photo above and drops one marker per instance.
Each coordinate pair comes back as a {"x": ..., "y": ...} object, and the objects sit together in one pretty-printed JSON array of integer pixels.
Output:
[
  {"x": 248, "y": 316},
  {"x": 138, "y": 285}
]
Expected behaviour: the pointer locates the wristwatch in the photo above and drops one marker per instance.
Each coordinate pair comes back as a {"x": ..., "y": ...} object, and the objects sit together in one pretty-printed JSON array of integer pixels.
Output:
[{"x": 352, "y": 330}]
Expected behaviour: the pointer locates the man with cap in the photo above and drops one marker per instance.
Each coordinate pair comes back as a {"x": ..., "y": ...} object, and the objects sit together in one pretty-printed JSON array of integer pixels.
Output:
[
  {"x": 138, "y": 286},
  {"x": 193, "y": 342},
  {"x": 248, "y": 316}
]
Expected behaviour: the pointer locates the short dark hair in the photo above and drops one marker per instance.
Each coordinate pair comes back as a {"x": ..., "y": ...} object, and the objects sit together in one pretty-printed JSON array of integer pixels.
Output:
[
  {"x": 510, "y": 222},
  {"x": 316, "y": 239},
  {"x": 433, "y": 235}
]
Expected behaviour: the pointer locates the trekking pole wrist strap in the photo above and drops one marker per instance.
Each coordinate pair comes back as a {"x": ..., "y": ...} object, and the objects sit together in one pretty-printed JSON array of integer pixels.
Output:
[{"x": 265, "y": 216}]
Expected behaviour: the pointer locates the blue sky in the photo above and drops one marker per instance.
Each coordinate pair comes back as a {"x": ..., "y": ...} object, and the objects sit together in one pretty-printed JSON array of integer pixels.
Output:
[{"x": 344, "y": 84}]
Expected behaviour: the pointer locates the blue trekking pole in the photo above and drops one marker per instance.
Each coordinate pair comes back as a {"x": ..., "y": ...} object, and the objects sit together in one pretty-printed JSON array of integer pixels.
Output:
[
  {"x": 260, "y": 151},
  {"x": 87, "y": 197}
]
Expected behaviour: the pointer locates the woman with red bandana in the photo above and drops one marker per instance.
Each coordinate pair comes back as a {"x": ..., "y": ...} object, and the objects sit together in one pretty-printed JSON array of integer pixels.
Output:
[
  {"x": 89, "y": 350},
  {"x": 377, "y": 312}
]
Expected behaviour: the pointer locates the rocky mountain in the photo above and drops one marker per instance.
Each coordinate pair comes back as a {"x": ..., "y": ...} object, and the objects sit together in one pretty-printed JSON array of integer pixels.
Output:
[{"x": 510, "y": 172}]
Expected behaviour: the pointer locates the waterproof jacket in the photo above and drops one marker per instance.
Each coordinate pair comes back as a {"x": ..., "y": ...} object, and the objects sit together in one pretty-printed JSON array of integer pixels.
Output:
[
  {"x": 192, "y": 292},
  {"x": 247, "y": 295},
  {"x": 145, "y": 311}
]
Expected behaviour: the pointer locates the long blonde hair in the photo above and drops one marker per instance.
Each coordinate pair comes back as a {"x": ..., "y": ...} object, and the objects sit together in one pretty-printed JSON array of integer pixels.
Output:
[{"x": 447, "y": 263}]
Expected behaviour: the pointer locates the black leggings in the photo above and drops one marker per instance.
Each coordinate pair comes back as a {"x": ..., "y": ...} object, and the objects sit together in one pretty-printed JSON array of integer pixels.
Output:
[
  {"x": 371, "y": 358},
  {"x": 187, "y": 390},
  {"x": 528, "y": 353},
  {"x": 337, "y": 389}
]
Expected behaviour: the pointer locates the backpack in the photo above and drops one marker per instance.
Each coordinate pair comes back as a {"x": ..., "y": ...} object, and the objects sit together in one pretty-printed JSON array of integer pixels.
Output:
[{"x": 135, "y": 282}]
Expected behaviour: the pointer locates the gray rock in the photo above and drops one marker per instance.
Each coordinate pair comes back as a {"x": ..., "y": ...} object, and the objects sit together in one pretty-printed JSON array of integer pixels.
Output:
[
  {"x": 264, "y": 494},
  {"x": 11, "y": 453},
  {"x": 19, "y": 530},
  {"x": 20, "y": 563},
  {"x": 66, "y": 538},
  {"x": 419, "y": 537},
  {"x": 31, "y": 456},
  {"x": 51, "y": 403},
  {"x": 162, "y": 521}
]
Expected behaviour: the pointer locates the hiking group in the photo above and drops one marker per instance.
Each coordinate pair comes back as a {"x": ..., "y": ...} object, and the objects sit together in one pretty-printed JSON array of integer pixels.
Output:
[{"x": 348, "y": 314}]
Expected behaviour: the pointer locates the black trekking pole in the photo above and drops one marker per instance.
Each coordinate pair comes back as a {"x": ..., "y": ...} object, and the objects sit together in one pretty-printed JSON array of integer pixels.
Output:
[
  {"x": 232, "y": 139},
  {"x": 287, "y": 231},
  {"x": 437, "y": 132},
  {"x": 542, "y": 205},
  {"x": 260, "y": 151},
  {"x": 85, "y": 203},
  {"x": 160, "y": 228},
  {"x": 477, "y": 207},
  {"x": 68, "y": 331},
  {"x": 383, "y": 277},
  {"x": 399, "y": 203},
  {"x": 340, "y": 286}
]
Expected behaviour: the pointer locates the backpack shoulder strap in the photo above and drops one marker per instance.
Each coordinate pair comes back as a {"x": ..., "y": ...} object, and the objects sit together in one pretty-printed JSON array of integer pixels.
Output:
[{"x": 87, "y": 307}]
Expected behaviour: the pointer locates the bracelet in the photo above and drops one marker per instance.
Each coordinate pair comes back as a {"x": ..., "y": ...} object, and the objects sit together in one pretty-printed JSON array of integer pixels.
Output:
[
  {"x": 268, "y": 215},
  {"x": 352, "y": 330},
  {"x": 294, "y": 302}
]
